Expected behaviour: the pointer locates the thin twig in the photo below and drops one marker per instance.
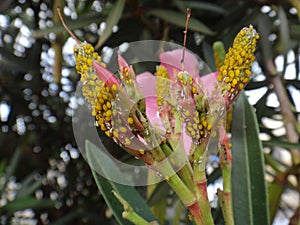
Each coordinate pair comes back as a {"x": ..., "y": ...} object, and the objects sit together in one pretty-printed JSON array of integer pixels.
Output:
[
  {"x": 66, "y": 27},
  {"x": 188, "y": 16}
]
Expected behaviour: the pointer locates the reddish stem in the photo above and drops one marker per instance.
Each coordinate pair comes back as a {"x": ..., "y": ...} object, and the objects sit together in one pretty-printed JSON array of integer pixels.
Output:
[
  {"x": 201, "y": 209},
  {"x": 66, "y": 27},
  {"x": 196, "y": 213}
]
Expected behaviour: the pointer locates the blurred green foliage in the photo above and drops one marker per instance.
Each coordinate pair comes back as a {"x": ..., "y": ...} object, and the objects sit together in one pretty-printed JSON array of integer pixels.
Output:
[{"x": 39, "y": 100}]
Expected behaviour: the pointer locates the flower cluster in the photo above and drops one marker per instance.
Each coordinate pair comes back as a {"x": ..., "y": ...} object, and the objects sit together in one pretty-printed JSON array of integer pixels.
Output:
[
  {"x": 174, "y": 110},
  {"x": 235, "y": 72},
  {"x": 186, "y": 104},
  {"x": 97, "y": 92}
]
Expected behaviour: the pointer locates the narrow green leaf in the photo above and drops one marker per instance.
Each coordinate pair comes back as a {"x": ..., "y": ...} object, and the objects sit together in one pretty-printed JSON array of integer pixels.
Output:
[
  {"x": 205, "y": 6},
  {"x": 276, "y": 165},
  {"x": 295, "y": 31},
  {"x": 256, "y": 84},
  {"x": 209, "y": 55},
  {"x": 30, "y": 202},
  {"x": 11, "y": 168},
  {"x": 66, "y": 219},
  {"x": 178, "y": 18},
  {"x": 283, "y": 144},
  {"x": 105, "y": 187},
  {"x": 159, "y": 210},
  {"x": 248, "y": 183},
  {"x": 284, "y": 30},
  {"x": 275, "y": 191},
  {"x": 2, "y": 167},
  {"x": 180, "y": 4},
  {"x": 112, "y": 20},
  {"x": 13, "y": 163},
  {"x": 100, "y": 161},
  {"x": 29, "y": 185}
]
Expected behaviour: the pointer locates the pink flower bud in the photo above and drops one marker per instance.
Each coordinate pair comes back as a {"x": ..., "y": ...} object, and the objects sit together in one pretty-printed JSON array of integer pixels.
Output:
[
  {"x": 105, "y": 75},
  {"x": 126, "y": 71}
]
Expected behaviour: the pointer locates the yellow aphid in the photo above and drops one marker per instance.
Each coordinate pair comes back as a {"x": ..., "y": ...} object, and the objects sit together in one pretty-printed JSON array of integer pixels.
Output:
[
  {"x": 108, "y": 133},
  {"x": 123, "y": 129},
  {"x": 127, "y": 141},
  {"x": 187, "y": 113},
  {"x": 115, "y": 134},
  {"x": 209, "y": 126},
  {"x": 142, "y": 151},
  {"x": 162, "y": 85},
  {"x": 108, "y": 113},
  {"x": 130, "y": 120}
]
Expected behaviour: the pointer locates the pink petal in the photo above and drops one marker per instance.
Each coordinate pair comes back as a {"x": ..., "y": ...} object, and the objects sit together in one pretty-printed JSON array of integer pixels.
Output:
[
  {"x": 147, "y": 83},
  {"x": 223, "y": 135},
  {"x": 172, "y": 61},
  {"x": 209, "y": 82},
  {"x": 105, "y": 75},
  {"x": 187, "y": 142},
  {"x": 122, "y": 62}
]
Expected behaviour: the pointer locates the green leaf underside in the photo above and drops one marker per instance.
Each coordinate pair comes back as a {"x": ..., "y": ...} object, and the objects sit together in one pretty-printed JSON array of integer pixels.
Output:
[
  {"x": 178, "y": 19},
  {"x": 248, "y": 184},
  {"x": 97, "y": 159}
]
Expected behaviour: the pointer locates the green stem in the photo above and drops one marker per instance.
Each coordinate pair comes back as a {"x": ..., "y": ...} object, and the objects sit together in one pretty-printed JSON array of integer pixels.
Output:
[
  {"x": 226, "y": 173},
  {"x": 204, "y": 207},
  {"x": 199, "y": 163},
  {"x": 163, "y": 166},
  {"x": 187, "y": 176},
  {"x": 178, "y": 123},
  {"x": 273, "y": 163},
  {"x": 183, "y": 192},
  {"x": 226, "y": 206},
  {"x": 130, "y": 214},
  {"x": 225, "y": 198},
  {"x": 201, "y": 210},
  {"x": 185, "y": 172},
  {"x": 201, "y": 213},
  {"x": 134, "y": 218}
]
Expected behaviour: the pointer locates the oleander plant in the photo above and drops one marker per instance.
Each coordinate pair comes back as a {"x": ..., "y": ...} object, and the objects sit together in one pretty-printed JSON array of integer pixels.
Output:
[{"x": 149, "y": 112}]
